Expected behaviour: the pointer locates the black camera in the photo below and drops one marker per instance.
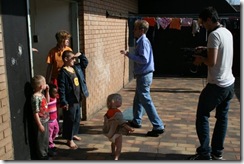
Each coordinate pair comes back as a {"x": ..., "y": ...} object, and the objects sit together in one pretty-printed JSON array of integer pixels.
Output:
[
  {"x": 189, "y": 56},
  {"x": 189, "y": 53}
]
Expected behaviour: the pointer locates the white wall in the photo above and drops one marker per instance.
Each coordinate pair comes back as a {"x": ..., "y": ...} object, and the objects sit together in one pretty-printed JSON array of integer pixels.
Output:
[{"x": 47, "y": 17}]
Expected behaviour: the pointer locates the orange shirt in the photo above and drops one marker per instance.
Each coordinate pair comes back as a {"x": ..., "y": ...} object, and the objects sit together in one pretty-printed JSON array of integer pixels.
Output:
[
  {"x": 110, "y": 113},
  {"x": 55, "y": 58}
]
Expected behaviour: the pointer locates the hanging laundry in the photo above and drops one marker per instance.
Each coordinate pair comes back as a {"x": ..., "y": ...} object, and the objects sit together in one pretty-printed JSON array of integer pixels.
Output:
[
  {"x": 175, "y": 24},
  {"x": 195, "y": 27},
  {"x": 150, "y": 20},
  {"x": 163, "y": 22},
  {"x": 186, "y": 22}
]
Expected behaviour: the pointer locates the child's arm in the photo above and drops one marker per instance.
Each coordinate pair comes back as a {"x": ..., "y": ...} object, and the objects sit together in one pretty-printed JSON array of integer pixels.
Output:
[
  {"x": 83, "y": 61},
  {"x": 49, "y": 72},
  {"x": 127, "y": 127},
  {"x": 47, "y": 95},
  {"x": 38, "y": 122}
]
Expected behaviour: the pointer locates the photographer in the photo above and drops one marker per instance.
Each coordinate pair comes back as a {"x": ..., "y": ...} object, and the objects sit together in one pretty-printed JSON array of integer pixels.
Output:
[{"x": 220, "y": 87}]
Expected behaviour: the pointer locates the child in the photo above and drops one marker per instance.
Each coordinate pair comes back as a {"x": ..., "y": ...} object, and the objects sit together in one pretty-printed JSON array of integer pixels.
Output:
[
  {"x": 53, "y": 122},
  {"x": 41, "y": 115},
  {"x": 54, "y": 57},
  {"x": 72, "y": 88},
  {"x": 114, "y": 124}
]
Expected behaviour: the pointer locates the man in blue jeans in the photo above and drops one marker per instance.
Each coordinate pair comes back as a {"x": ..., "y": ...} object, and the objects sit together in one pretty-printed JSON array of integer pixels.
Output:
[
  {"x": 219, "y": 89},
  {"x": 143, "y": 70}
]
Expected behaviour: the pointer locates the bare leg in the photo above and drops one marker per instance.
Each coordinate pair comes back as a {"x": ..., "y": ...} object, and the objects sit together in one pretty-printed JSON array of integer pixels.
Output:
[
  {"x": 118, "y": 147},
  {"x": 113, "y": 148}
]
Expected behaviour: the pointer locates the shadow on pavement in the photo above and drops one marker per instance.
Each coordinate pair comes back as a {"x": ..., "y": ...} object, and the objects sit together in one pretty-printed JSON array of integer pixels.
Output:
[{"x": 87, "y": 154}]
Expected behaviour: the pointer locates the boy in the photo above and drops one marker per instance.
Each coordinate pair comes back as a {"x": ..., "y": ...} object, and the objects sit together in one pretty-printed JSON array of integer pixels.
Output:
[
  {"x": 41, "y": 115},
  {"x": 72, "y": 88}
]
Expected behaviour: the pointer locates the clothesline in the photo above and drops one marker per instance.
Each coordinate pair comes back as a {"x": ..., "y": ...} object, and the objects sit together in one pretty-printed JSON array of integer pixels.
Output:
[{"x": 110, "y": 14}]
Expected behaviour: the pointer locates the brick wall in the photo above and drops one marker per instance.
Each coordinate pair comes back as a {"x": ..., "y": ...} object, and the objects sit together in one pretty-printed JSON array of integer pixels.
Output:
[
  {"x": 6, "y": 145},
  {"x": 108, "y": 70}
]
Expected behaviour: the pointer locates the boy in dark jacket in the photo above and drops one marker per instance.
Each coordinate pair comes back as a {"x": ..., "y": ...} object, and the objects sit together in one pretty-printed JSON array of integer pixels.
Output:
[{"x": 72, "y": 88}]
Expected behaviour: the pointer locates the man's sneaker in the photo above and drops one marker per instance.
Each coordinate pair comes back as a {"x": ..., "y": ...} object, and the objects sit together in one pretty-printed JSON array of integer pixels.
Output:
[
  {"x": 155, "y": 133},
  {"x": 199, "y": 157},
  {"x": 217, "y": 157},
  {"x": 132, "y": 124}
]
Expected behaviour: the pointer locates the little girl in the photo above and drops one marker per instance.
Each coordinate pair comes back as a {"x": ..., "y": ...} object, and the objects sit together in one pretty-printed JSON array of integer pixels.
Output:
[
  {"x": 114, "y": 124},
  {"x": 53, "y": 121}
]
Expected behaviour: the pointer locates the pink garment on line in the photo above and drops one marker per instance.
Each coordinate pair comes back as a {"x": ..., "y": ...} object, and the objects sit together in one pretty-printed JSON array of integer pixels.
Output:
[
  {"x": 163, "y": 22},
  {"x": 186, "y": 22}
]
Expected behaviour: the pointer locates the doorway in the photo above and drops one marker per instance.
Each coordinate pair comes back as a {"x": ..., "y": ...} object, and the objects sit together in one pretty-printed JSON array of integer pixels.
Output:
[{"x": 46, "y": 18}]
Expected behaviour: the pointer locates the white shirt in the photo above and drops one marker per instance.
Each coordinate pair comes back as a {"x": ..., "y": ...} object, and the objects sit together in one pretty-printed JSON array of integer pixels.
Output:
[{"x": 221, "y": 73}]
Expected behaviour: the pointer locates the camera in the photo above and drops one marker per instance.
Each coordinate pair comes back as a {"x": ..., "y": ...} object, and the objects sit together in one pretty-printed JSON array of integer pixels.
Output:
[
  {"x": 189, "y": 53},
  {"x": 189, "y": 56}
]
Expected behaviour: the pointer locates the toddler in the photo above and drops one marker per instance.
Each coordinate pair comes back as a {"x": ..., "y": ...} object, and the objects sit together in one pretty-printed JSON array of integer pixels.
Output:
[
  {"x": 53, "y": 122},
  {"x": 114, "y": 124}
]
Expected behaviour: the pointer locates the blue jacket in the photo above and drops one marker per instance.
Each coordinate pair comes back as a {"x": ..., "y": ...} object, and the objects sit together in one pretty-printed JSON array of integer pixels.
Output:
[{"x": 65, "y": 83}]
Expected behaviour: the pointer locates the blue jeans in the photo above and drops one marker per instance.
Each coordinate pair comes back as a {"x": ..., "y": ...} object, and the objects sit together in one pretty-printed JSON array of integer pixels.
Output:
[
  {"x": 71, "y": 122},
  {"x": 142, "y": 100},
  {"x": 211, "y": 97}
]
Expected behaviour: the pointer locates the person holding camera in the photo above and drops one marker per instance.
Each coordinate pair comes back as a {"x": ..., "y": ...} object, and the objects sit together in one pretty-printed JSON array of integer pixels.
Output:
[
  {"x": 143, "y": 71},
  {"x": 219, "y": 89}
]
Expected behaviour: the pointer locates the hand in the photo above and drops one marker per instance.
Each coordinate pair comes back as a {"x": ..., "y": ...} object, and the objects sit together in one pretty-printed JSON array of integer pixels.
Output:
[
  {"x": 77, "y": 54},
  {"x": 201, "y": 47},
  {"x": 198, "y": 60},
  {"x": 47, "y": 87},
  {"x": 125, "y": 52},
  {"x": 34, "y": 50},
  {"x": 66, "y": 107}
]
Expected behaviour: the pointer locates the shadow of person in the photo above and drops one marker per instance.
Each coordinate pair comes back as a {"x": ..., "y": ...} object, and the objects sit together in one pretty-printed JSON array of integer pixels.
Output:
[{"x": 28, "y": 120}]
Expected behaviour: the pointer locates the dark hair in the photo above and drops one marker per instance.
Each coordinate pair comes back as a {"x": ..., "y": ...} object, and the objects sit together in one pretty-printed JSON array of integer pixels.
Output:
[
  {"x": 66, "y": 54},
  {"x": 51, "y": 87},
  {"x": 209, "y": 12}
]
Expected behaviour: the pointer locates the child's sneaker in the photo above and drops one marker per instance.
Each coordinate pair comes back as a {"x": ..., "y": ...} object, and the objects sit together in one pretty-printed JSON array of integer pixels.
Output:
[
  {"x": 199, "y": 157},
  {"x": 217, "y": 157}
]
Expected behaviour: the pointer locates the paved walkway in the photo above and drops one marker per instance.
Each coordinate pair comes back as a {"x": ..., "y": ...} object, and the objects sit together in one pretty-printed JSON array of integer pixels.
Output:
[{"x": 176, "y": 100}]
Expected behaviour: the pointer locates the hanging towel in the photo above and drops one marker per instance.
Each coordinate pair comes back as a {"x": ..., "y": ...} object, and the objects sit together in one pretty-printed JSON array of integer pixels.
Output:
[
  {"x": 195, "y": 27},
  {"x": 150, "y": 20},
  {"x": 186, "y": 22},
  {"x": 163, "y": 22},
  {"x": 175, "y": 24}
]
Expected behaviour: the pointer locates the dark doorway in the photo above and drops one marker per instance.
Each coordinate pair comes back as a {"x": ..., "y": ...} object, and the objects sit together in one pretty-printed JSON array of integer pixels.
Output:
[{"x": 17, "y": 51}]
